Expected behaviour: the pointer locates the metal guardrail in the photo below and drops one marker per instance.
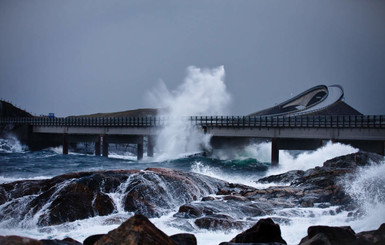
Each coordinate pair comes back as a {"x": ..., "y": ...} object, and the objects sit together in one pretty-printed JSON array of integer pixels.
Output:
[{"x": 375, "y": 121}]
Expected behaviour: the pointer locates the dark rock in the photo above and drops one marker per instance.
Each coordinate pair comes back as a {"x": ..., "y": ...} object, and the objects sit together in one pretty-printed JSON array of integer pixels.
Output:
[
  {"x": 372, "y": 237},
  {"x": 17, "y": 240},
  {"x": 329, "y": 235},
  {"x": 91, "y": 240},
  {"x": 75, "y": 196},
  {"x": 209, "y": 198},
  {"x": 137, "y": 230},
  {"x": 190, "y": 211},
  {"x": 155, "y": 191},
  {"x": 66, "y": 241},
  {"x": 184, "y": 239},
  {"x": 265, "y": 231},
  {"x": 218, "y": 222},
  {"x": 287, "y": 177}
]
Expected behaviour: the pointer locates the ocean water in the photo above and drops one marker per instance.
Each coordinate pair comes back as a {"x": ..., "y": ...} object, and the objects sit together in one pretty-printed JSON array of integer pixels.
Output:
[{"x": 245, "y": 167}]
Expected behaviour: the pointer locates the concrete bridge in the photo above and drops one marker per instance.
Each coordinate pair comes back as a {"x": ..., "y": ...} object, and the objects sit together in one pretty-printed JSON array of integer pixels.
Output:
[{"x": 285, "y": 132}]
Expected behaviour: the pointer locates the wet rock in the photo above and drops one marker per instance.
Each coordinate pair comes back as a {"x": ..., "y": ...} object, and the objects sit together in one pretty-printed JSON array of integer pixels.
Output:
[
  {"x": 265, "y": 231},
  {"x": 184, "y": 239},
  {"x": 137, "y": 230},
  {"x": 155, "y": 191},
  {"x": 66, "y": 241},
  {"x": 91, "y": 240},
  {"x": 17, "y": 240},
  {"x": 329, "y": 235},
  {"x": 75, "y": 196},
  {"x": 218, "y": 222},
  {"x": 287, "y": 177},
  {"x": 372, "y": 237},
  {"x": 189, "y": 211},
  {"x": 209, "y": 198}
]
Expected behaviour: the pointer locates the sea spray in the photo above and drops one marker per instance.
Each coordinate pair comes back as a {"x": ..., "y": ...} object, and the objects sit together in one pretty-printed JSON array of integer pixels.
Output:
[
  {"x": 310, "y": 159},
  {"x": 10, "y": 144},
  {"x": 203, "y": 92},
  {"x": 367, "y": 188}
]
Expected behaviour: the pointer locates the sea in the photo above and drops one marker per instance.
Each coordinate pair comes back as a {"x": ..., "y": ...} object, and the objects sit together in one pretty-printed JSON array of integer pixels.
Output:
[{"x": 244, "y": 165}]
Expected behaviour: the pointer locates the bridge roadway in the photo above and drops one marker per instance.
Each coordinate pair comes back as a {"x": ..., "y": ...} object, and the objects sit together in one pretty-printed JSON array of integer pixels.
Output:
[{"x": 298, "y": 132}]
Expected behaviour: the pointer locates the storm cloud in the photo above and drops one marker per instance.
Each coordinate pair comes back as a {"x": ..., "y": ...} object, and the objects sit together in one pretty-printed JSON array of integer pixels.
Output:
[{"x": 81, "y": 57}]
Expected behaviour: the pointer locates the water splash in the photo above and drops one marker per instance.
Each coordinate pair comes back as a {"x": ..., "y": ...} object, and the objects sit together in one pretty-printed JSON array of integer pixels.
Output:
[
  {"x": 310, "y": 159},
  {"x": 203, "y": 92},
  {"x": 11, "y": 144},
  {"x": 367, "y": 188}
]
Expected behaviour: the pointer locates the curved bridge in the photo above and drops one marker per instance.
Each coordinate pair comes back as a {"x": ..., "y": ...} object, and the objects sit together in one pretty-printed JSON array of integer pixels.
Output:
[{"x": 311, "y": 101}]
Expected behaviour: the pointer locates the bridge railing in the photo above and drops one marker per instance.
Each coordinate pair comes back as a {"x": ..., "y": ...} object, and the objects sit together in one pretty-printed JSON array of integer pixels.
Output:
[{"x": 375, "y": 121}]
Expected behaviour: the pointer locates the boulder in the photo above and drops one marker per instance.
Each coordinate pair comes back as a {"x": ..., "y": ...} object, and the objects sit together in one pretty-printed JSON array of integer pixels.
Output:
[
  {"x": 189, "y": 211},
  {"x": 329, "y": 235},
  {"x": 184, "y": 239},
  {"x": 137, "y": 230},
  {"x": 265, "y": 231},
  {"x": 17, "y": 240},
  {"x": 376, "y": 237},
  {"x": 218, "y": 222},
  {"x": 91, "y": 240},
  {"x": 66, "y": 241},
  {"x": 74, "y": 196}
]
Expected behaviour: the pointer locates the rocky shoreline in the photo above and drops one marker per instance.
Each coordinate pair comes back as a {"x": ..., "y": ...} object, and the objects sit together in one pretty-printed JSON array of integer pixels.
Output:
[{"x": 201, "y": 202}]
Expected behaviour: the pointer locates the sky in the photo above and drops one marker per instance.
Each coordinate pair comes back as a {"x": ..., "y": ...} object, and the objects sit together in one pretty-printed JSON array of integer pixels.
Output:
[{"x": 79, "y": 57}]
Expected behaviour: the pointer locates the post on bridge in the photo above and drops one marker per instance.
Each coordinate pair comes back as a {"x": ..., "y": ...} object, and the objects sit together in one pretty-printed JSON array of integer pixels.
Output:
[
  {"x": 140, "y": 149},
  {"x": 97, "y": 146},
  {"x": 65, "y": 144},
  {"x": 105, "y": 145},
  {"x": 150, "y": 146},
  {"x": 274, "y": 152}
]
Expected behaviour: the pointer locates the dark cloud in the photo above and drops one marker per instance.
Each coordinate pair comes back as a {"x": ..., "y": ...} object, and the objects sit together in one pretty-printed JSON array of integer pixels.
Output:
[{"x": 77, "y": 57}]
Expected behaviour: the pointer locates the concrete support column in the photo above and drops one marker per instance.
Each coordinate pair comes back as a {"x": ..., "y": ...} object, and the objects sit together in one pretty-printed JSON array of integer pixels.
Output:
[
  {"x": 65, "y": 144},
  {"x": 97, "y": 146},
  {"x": 274, "y": 152},
  {"x": 140, "y": 151},
  {"x": 150, "y": 146},
  {"x": 105, "y": 146}
]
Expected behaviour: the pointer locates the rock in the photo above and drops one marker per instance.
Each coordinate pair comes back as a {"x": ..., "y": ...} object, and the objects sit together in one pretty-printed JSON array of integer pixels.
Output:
[
  {"x": 265, "y": 231},
  {"x": 218, "y": 222},
  {"x": 137, "y": 230},
  {"x": 372, "y": 237},
  {"x": 66, "y": 241},
  {"x": 329, "y": 235},
  {"x": 74, "y": 196},
  {"x": 184, "y": 239},
  {"x": 17, "y": 240},
  {"x": 190, "y": 211},
  {"x": 155, "y": 191},
  {"x": 287, "y": 177},
  {"x": 91, "y": 240}
]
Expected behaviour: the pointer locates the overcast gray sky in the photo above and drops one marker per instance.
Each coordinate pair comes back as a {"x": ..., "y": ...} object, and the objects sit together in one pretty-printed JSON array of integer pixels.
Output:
[{"x": 79, "y": 57}]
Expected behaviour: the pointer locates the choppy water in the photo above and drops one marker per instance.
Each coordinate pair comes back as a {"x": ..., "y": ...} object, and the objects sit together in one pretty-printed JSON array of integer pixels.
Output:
[{"x": 245, "y": 166}]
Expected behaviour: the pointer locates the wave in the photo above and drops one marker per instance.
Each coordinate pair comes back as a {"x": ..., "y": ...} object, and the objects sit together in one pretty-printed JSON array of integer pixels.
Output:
[{"x": 11, "y": 144}]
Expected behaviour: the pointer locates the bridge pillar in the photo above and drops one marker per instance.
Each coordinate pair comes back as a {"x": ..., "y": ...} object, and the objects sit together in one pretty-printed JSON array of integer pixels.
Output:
[
  {"x": 274, "y": 152},
  {"x": 140, "y": 151},
  {"x": 97, "y": 146},
  {"x": 65, "y": 144},
  {"x": 150, "y": 146},
  {"x": 105, "y": 146}
]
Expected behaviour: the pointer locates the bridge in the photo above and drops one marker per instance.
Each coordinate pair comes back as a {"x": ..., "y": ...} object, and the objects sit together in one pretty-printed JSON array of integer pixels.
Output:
[{"x": 301, "y": 132}]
